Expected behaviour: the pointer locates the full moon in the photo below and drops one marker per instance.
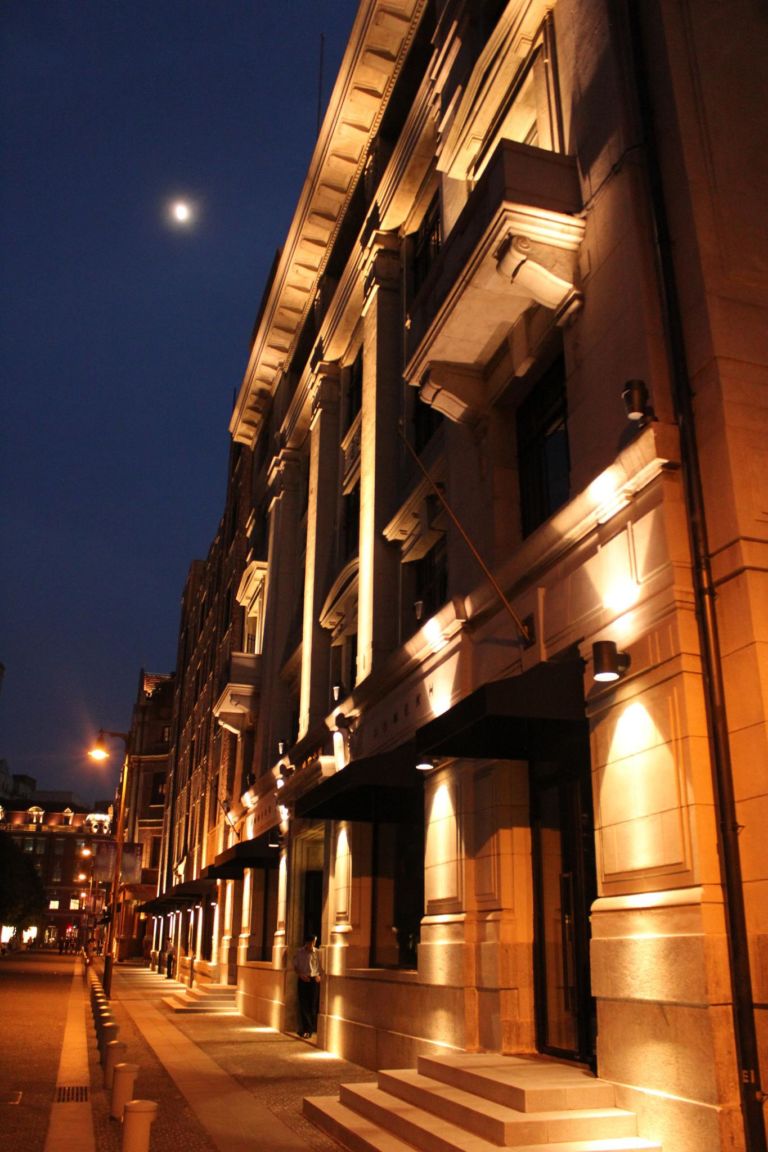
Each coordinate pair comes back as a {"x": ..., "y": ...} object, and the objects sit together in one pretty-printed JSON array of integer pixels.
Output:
[{"x": 181, "y": 212}]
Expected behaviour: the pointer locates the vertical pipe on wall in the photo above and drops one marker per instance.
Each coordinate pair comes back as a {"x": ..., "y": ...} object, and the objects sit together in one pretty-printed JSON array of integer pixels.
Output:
[{"x": 752, "y": 1097}]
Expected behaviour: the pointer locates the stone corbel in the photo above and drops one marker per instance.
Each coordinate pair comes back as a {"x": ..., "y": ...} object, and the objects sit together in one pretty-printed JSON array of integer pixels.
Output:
[
  {"x": 523, "y": 263},
  {"x": 456, "y": 390}
]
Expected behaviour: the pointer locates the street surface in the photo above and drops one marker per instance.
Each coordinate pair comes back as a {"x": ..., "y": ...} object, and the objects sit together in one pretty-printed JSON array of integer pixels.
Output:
[
  {"x": 222, "y": 1083},
  {"x": 34, "y": 993}
]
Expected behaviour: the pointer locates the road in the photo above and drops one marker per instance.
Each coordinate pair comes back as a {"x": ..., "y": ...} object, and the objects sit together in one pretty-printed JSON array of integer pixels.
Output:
[{"x": 34, "y": 992}]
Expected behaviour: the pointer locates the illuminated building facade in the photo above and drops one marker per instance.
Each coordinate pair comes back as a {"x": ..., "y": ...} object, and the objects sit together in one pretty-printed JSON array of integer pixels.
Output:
[
  {"x": 506, "y": 412},
  {"x": 70, "y": 847}
]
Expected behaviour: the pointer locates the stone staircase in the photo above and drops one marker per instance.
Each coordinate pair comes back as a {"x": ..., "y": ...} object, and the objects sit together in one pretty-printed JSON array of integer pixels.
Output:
[
  {"x": 466, "y": 1102},
  {"x": 204, "y": 998}
]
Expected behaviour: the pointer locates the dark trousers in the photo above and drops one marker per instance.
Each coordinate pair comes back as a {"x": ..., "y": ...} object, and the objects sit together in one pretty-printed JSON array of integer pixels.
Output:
[{"x": 309, "y": 1004}]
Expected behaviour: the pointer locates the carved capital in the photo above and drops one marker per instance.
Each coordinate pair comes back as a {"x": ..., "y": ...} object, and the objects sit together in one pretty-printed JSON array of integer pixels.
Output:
[{"x": 382, "y": 263}]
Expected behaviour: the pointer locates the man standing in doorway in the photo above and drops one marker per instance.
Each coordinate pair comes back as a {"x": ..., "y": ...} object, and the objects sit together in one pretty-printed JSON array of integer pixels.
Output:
[{"x": 306, "y": 965}]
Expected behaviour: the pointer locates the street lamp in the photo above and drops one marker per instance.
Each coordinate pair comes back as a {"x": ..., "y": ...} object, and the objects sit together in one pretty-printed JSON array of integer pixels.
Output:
[{"x": 100, "y": 752}]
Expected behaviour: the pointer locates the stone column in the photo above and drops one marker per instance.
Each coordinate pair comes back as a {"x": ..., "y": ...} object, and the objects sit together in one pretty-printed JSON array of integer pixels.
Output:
[
  {"x": 283, "y": 584},
  {"x": 323, "y": 493},
  {"x": 379, "y": 454}
]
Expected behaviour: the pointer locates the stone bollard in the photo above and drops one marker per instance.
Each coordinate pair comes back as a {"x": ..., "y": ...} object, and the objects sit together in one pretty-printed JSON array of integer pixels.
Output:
[
  {"x": 123, "y": 1080},
  {"x": 137, "y": 1118},
  {"x": 102, "y": 1020},
  {"x": 114, "y": 1052},
  {"x": 108, "y": 1034}
]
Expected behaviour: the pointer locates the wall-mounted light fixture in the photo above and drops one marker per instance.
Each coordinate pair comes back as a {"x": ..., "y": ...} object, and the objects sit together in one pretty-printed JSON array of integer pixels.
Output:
[
  {"x": 337, "y": 691},
  {"x": 426, "y": 764},
  {"x": 343, "y": 721},
  {"x": 608, "y": 663},
  {"x": 418, "y": 609},
  {"x": 281, "y": 747},
  {"x": 635, "y": 397}
]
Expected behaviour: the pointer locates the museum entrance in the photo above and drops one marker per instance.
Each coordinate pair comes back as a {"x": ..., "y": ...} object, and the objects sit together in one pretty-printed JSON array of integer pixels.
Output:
[{"x": 564, "y": 889}]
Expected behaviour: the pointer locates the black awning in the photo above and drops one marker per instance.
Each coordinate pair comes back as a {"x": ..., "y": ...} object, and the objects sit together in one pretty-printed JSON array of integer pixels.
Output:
[
  {"x": 232, "y": 862},
  {"x": 538, "y": 715},
  {"x": 383, "y": 788},
  {"x": 181, "y": 895}
]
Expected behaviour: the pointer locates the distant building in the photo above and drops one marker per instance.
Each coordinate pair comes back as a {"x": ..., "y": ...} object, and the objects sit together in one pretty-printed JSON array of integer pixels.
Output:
[
  {"x": 491, "y": 720},
  {"x": 146, "y": 769},
  {"x": 72, "y": 851}
]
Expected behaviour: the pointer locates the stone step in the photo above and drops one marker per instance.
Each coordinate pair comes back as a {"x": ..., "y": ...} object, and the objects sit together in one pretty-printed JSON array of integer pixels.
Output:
[
  {"x": 360, "y": 1133},
  {"x": 183, "y": 1002},
  {"x": 527, "y": 1084},
  {"x": 500, "y": 1124},
  {"x": 445, "y": 1131},
  {"x": 223, "y": 992},
  {"x": 351, "y": 1131}
]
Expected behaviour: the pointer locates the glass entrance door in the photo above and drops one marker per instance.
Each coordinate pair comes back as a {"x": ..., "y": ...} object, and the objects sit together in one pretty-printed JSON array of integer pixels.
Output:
[{"x": 564, "y": 882}]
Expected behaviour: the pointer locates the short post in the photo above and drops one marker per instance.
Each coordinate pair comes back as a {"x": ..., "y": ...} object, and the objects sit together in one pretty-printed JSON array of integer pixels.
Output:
[
  {"x": 101, "y": 1024},
  {"x": 138, "y": 1116},
  {"x": 108, "y": 1033},
  {"x": 123, "y": 1080},
  {"x": 113, "y": 1053}
]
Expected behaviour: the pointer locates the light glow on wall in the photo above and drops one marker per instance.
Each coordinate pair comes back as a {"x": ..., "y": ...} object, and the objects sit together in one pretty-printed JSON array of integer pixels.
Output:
[{"x": 639, "y": 795}]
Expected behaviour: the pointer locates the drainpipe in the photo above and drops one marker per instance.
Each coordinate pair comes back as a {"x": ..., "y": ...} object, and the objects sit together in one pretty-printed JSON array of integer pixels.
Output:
[{"x": 752, "y": 1097}]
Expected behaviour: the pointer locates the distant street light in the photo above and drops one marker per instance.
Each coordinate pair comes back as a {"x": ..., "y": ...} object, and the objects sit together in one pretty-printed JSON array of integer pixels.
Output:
[{"x": 100, "y": 752}]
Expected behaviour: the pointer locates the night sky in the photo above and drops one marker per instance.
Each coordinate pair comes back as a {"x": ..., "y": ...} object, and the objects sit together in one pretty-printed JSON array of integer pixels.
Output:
[{"x": 124, "y": 337}]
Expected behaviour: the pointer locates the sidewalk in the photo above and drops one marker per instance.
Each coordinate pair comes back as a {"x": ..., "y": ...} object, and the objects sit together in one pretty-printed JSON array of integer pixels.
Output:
[{"x": 222, "y": 1083}]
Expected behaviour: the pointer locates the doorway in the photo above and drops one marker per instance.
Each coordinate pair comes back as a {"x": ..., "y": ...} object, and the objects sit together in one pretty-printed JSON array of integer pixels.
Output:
[{"x": 564, "y": 889}]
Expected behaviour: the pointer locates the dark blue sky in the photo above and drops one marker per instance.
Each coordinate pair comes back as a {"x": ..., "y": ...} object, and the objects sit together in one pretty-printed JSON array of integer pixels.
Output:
[{"x": 123, "y": 339}]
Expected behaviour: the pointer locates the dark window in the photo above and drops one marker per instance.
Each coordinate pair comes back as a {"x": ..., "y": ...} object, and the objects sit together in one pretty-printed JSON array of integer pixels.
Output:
[
  {"x": 431, "y": 581},
  {"x": 350, "y": 534},
  {"x": 263, "y": 911},
  {"x": 398, "y": 894},
  {"x": 158, "y": 789},
  {"x": 354, "y": 396},
  {"x": 426, "y": 421},
  {"x": 426, "y": 243},
  {"x": 542, "y": 448}
]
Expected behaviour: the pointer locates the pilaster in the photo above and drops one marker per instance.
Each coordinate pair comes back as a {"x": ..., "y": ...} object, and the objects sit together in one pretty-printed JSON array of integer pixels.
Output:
[
  {"x": 323, "y": 484},
  {"x": 382, "y": 381}
]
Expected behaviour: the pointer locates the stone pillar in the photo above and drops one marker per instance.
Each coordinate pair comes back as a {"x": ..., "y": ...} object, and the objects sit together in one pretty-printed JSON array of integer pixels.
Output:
[
  {"x": 283, "y": 584},
  {"x": 379, "y": 452},
  {"x": 323, "y": 492}
]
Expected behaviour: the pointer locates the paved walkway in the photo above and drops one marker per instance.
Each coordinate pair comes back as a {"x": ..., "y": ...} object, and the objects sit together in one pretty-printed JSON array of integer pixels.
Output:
[{"x": 222, "y": 1083}]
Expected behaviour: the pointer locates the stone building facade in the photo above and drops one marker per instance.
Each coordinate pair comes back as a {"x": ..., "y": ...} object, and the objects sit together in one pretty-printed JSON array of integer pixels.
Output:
[{"x": 502, "y": 746}]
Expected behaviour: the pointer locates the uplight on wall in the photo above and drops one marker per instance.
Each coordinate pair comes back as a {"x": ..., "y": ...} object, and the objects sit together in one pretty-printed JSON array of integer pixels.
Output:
[
  {"x": 608, "y": 664},
  {"x": 426, "y": 764}
]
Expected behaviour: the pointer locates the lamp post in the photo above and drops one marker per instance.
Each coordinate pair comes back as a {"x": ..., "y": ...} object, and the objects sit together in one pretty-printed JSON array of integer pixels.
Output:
[{"x": 100, "y": 752}]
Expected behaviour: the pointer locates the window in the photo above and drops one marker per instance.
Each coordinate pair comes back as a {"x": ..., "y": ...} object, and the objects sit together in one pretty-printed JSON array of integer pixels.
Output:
[
  {"x": 426, "y": 243},
  {"x": 350, "y": 523},
  {"x": 74, "y": 903},
  {"x": 154, "y": 851},
  {"x": 53, "y": 904},
  {"x": 431, "y": 581},
  {"x": 158, "y": 789},
  {"x": 425, "y": 422},
  {"x": 398, "y": 893},
  {"x": 353, "y": 399},
  {"x": 542, "y": 448},
  {"x": 263, "y": 911}
]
